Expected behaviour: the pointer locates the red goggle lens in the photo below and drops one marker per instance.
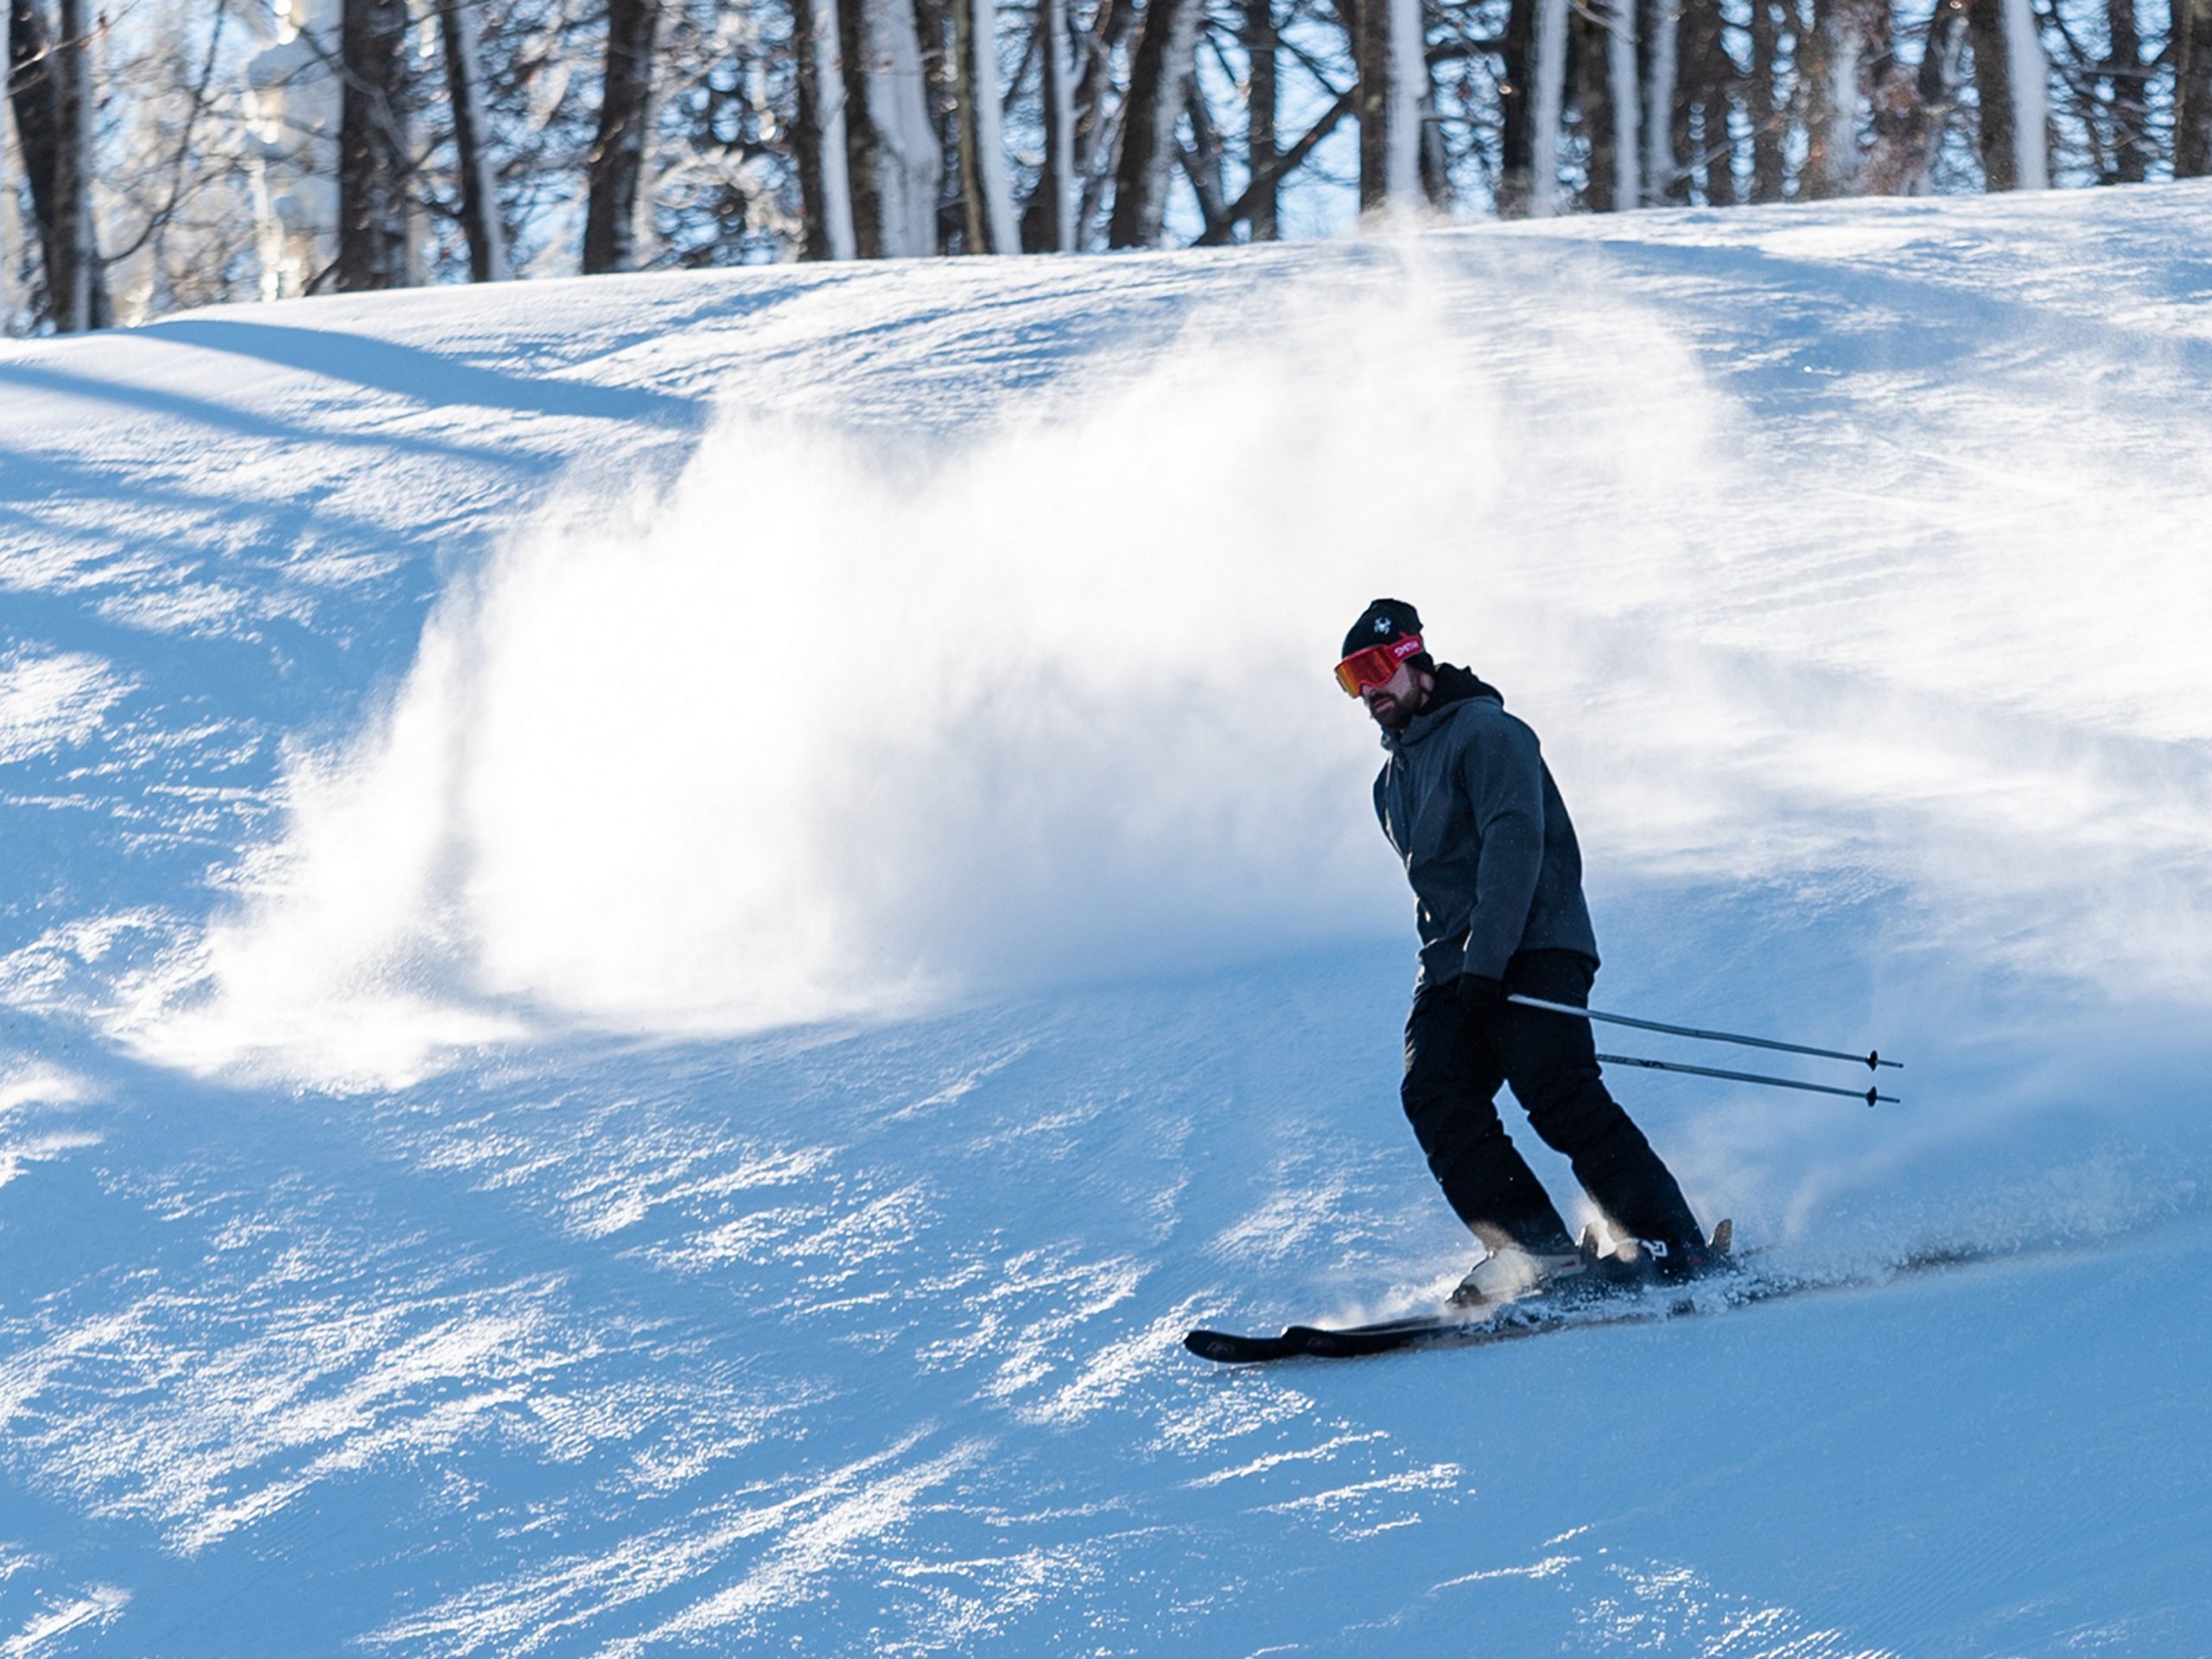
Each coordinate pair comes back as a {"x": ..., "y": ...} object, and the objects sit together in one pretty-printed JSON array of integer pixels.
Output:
[{"x": 1376, "y": 664}]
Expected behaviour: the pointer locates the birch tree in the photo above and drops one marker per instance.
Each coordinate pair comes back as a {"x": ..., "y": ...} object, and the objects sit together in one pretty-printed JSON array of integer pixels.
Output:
[
  {"x": 986, "y": 192},
  {"x": 2030, "y": 72},
  {"x": 819, "y": 134},
  {"x": 1051, "y": 217},
  {"x": 482, "y": 223},
  {"x": 1548, "y": 98},
  {"x": 1393, "y": 86},
  {"x": 1057, "y": 184},
  {"x": 36, "y": 98},
  {"x": 1158, "y": 75},
  {"x": 1607, "y": 102},
  {"x": 222, "y": 159},
  {"x": 893, "y": 162},
  {"x": 49, "y": 87},
  {"x": 292, "y": 103},
  {"x": 1663, "y": 177},
  {"x": 2010, "y": 76}
]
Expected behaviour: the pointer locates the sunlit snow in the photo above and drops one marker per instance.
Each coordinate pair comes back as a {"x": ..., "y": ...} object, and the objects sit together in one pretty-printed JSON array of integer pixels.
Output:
[{"x": 662, "y": 932}]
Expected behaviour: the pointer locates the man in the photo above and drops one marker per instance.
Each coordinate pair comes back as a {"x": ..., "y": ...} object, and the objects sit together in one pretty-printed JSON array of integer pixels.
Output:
[{"x": 1470, "y": 808}]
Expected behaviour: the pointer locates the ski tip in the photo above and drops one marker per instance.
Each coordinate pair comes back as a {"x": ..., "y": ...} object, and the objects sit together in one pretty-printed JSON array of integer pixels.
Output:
[{"x": 1724, "y": 1237}]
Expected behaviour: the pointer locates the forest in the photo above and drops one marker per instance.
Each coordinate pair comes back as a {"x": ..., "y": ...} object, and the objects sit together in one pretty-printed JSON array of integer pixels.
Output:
[{"x": 164, "y": 154}]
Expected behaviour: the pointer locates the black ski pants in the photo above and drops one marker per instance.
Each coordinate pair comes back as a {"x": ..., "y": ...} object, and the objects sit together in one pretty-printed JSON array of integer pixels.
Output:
[{"x": 1455, "y": 1062}]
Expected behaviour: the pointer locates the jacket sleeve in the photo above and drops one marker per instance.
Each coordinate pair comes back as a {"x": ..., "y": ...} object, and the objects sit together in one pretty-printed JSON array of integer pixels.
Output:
[{"x": 1503, "y": 771}]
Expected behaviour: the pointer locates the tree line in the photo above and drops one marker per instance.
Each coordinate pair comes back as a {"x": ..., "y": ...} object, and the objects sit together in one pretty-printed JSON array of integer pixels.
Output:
[{"x": 177, "y": 152}]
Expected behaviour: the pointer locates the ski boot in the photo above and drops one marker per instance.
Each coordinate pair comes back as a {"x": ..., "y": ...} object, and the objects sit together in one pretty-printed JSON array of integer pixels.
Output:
[
  {"x": 1639, "y": 1263},
  {"x": 1695, "y": 1261},
  {"x": 1512, "y": 1275}
]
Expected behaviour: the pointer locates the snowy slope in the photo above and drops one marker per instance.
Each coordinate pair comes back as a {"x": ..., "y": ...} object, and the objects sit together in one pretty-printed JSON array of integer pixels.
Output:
[{"x": 660, "y": 933}]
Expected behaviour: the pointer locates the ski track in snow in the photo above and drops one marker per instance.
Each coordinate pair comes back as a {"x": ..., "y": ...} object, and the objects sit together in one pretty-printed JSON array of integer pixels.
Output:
[{"x": 425, "y": 1228}]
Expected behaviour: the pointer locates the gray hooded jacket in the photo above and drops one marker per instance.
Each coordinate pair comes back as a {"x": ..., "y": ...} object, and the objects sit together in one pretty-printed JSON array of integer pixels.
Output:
[{"x": 1466, "y": 800}]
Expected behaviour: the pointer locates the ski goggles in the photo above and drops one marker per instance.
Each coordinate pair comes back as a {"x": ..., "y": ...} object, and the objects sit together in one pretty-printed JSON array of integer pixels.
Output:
[{"x": 1376, "y": 665}]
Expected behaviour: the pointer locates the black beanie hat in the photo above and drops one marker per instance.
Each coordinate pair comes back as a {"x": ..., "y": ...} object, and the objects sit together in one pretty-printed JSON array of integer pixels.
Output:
[{"x": 1383, "y": 620}]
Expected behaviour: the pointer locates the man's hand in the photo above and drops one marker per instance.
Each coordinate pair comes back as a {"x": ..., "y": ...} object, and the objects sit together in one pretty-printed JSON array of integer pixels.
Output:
[{"x": 1479, "y": 993}]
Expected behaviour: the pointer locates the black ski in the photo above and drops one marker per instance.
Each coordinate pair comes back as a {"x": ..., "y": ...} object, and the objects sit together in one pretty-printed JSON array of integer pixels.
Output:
[
  {"x": 1739, "y": 1285},
  {"x": 1530, "y": 1318}
]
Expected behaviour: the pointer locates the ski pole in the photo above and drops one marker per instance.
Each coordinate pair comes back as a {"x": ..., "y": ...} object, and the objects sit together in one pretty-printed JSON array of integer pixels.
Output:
[
  {"x": 1869, "y": 1060},
  {"x": 1870, "y": 1096}
]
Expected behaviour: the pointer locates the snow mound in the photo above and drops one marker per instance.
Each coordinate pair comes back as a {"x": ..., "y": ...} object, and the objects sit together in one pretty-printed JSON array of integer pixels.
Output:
[{"x": 668, "y": 930}]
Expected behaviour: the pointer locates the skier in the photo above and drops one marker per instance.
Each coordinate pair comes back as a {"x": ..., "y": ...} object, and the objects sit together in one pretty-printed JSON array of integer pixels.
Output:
[{"x": 1469, "y": 806}]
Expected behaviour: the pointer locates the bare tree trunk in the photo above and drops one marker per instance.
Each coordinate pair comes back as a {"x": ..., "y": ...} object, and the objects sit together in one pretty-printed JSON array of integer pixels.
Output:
[
  {"x": 1854, "y": 35},
  {"x": 1664, "y": 181},
  {"x": 373, "y": 163},
  {"x": 480, "y": 201},
  {"x": 1911, "y": 112},
  {"x": 1761, "y": 107},
  {"x": 1814, "y": 95},
  {"x": 1157, "y": 77},
  {"x": 1048, "y": 223},
  {"x": 969, "y": 162},
  {"x": 36, "y": 99},
  {"x": 2030, "y": 79},
  {"x": 1516, "y": 110},
  {"x": 1436, "y": 155},
  {"x": 806, "y": 128},
  {"x": 863, "y": 170},
  {"x": 2192, "y": 52},
  {"x": 1263, "y": 103},
  {"x": 825, "y": 197},
  {"x": 2125, "y": 79},
  {"x": 1706, "y": 136},
  {"x": 1547, "y": 101},
  {"x": 1095, "y": 124},
  {"x": 1202, "y": 161},
  {"x": 617, "y": 166},
  {"x": 1393, "y": 86},
  {"x": 893, "y": 160},
  {"x": 2007, "y": 70},
  {"x": 1221, "y": 230},
  {"x": 1626, "y": 85},
  {"x": 1592, "y": 94},
  {"x": 78, "y": 305},
  {"x": 986, "y": 196},
  {"x": 1993, "y": 77}
]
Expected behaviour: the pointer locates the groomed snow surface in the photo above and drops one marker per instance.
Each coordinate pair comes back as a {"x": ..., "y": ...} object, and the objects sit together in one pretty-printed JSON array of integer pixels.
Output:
[{"x": 659, "y": 934}]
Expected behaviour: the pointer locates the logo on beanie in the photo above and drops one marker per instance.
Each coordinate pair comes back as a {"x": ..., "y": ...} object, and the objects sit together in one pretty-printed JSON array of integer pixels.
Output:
[{"x": 1382, "y": 624}]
